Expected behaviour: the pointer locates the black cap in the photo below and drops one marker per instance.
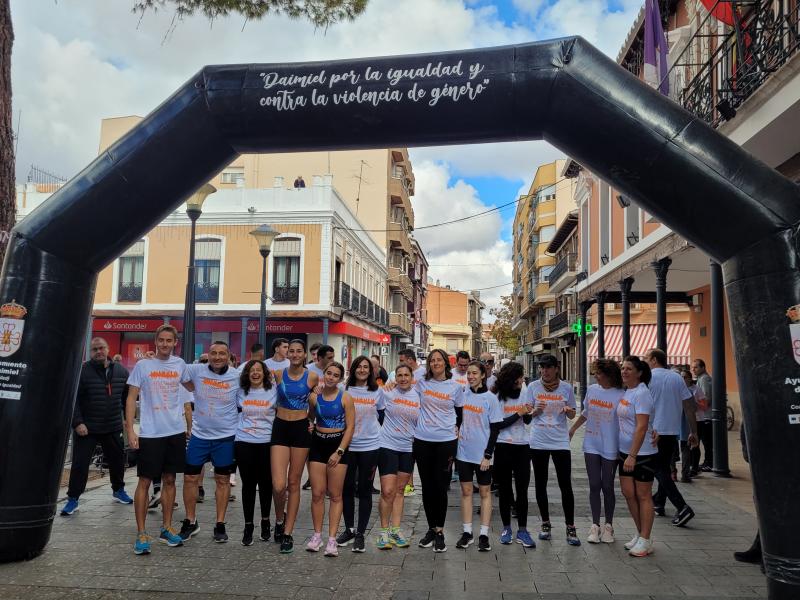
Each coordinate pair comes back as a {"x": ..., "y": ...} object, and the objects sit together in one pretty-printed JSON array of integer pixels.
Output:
[{"x": 547, "y": 360}]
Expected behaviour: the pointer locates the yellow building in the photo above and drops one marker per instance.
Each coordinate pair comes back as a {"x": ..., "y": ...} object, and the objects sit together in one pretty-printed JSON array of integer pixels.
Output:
[{"x": 455, "y": 319}]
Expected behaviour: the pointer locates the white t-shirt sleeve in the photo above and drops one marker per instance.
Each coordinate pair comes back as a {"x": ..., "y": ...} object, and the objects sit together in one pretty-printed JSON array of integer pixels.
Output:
[
  {"x": 458, "y": 396},
  {"x": 684, "y": 393},
  {"x": 644, "y": 402},
  {"x": 495, "y": 410},
  {"x": 135, "y": 378},
  {"x": 380, "y": 400},
  {"x": 571, "y": 398},
  {"x": 188, "y": 373}
]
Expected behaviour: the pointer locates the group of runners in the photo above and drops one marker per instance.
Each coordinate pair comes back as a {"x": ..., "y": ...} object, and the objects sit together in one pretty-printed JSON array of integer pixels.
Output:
[{"x": 273, "y": 419}]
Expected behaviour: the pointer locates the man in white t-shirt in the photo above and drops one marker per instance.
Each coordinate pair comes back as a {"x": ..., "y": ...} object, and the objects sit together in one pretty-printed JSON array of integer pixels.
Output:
[
  {"x": 280, "y": 353},
  {"x": 161, "y": 439},
  {"x": 325, "y": 356},
  {"x": 671, "y": 399},
  {"x": 214, "y": 421},
  {"x": 460, "y": 370},
  {"x": 488, "y": 360},
  {"x": 408, "y": 357}
]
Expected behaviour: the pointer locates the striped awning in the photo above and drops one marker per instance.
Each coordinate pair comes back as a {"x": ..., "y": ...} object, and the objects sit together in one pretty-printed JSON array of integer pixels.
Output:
[{"x": 644, "y": 337}]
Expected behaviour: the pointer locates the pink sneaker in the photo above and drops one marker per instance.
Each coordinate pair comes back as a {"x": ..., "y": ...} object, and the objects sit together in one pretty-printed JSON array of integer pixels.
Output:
[
  {"x": 315, "y": 543},
  {"x": 332, "y": 549}
]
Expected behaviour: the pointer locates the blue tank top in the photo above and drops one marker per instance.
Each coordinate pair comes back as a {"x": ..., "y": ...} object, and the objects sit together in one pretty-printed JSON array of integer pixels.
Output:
[
  {"x": 293, "y": 395},
  {"x": 330, "y": 413}
]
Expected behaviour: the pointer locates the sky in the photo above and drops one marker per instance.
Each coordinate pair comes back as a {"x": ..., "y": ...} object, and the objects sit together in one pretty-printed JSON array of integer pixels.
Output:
[{"x": 76, "y": 62}]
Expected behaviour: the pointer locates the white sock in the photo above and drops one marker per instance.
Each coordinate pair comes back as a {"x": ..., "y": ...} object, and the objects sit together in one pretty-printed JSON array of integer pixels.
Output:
[
  {"x": 484, "y": 530},
  {"x": 468, "y": 528}
]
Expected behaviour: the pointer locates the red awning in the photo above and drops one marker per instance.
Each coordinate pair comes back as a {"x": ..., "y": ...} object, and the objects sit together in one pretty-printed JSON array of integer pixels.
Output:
[
  {"x": 722, "y": 10},
  {"x": 644, "y": 337}
]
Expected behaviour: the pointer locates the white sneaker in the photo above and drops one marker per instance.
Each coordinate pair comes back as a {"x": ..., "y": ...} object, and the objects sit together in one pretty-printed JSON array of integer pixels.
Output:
[
  {"x": 642, "y": 548},
  {"x": 594, "y": 535},
  {"x": 632, "y": 543},
  {"x": 607, "y": 537}
]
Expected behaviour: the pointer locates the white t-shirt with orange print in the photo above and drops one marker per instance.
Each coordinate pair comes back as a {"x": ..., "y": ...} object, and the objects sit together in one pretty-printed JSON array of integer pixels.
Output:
[
  {"x": 602, "y": 429},
  {"x": 550, "y": 430},
  {"x": 161, "y": 411},
  {"x": 437, "y": 411},
  {"x": 636, "y": 401},
  {"x": 215, "y": 414},
  {"x": 480, "y": 411}
]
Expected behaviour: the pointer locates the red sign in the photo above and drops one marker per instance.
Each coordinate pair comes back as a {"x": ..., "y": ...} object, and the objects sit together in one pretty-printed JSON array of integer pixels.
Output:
[{"x": 132, "y": 325}]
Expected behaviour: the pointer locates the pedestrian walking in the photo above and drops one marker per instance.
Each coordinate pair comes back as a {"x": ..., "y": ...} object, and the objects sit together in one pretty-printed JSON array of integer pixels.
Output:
[
  {"x": 601, "y": 444},
  {"x": 704, "y": 427},
  {"x": 554, "y": 403}
]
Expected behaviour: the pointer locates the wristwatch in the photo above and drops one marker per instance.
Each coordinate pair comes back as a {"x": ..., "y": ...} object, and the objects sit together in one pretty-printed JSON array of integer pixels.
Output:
[{"x": 340, "y": 451}]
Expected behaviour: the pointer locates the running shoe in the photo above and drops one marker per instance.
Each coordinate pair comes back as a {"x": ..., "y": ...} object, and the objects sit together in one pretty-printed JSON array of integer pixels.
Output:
[
  {"x": 632, "y": 543},
  {"x": 346, "y": 537},
  {"x": 607, "y": 537},
  {"x": 220, "y": 536},
  {"x": 684, "y": 515},
  {"x": 189, "y": 529},
  {"x": 155, "y": 499},
  {"x": 332, "y": 548},
  {"x": 409, "y": 490},
  {"x": 70, "y": 507},
  {"x": 170, "y": 537},
  {"x": 122, "y": 497},
  {"x": 427, "y": 539},
  {"x": 278, "y": 536},
  {"x": 233, "y": 480},
  {"x": 464, "y": 541},
  {"x": 506, "y": 536},
  {"x": 315, "y": 543},
  {"x": 483, "y": 543},
  {"x": 524, "y": 538},
  {"x": 287, "y": 544},
  {"x": 358, "y": 542},
  {"x": 572, "y": 536},
  {"x": 265, "y": 529},
  {"x": 384, "y": 542},
  {"x": 594, "y": 535},
  {"x": 201, "y": 494},
  {"x": 438, "y": 542},
  {"x": 398, "y": 539},
  {"x": 660, "y": 511},
  {"x": 247, "y": 536},
  {"x": 307, "y": 484},
  {"x": 643, "y": 547},
  {"x": 545, "y": 533},
  {"x": 706, "y": 468},
  {"x": 142, "y": 544}
]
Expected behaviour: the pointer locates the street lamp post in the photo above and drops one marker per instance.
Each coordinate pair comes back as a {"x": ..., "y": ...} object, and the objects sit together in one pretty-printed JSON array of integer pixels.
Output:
[
  {"x": 194, "y": 208},
  {"x": 264, "y": 235}
]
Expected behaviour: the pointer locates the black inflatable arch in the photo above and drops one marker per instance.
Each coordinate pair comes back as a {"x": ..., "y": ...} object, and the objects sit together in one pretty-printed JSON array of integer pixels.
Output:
[{"x": 690, "y": 177}]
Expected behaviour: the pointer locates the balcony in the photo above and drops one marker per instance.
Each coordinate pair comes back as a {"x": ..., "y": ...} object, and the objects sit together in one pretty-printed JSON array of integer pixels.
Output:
[
  {"x": 129, "y": 291},
  {"x": 207, "y": 292},
  {"x": 398, "y": 279},
  {"x": 769, "y": 35},
  {"x": 344, "y": 296},
  {"x": 541, "y": 332},
  {"x": 355, "y": 301},
  {"x": 285, "y": 294},
  {"x": 564, "y": 273},
  {"x": 400, "y": 321},
  {"x": 561, "y": 323}
]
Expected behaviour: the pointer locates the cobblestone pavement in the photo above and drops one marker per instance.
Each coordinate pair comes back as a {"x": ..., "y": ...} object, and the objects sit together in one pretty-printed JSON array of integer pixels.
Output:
[{"x": 90, "y": 556}]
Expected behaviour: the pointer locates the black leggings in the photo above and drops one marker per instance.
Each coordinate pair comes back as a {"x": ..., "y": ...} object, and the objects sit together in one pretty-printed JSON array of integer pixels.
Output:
[
  {"x": 434, "y": 460},
  {"x": 563, "y": 464},
  {"x": 512, "y": 459},
  {"x": 361, "y": 465},
  {"x": 255, "y": 472},
  {"x": 601, "y": 478}
]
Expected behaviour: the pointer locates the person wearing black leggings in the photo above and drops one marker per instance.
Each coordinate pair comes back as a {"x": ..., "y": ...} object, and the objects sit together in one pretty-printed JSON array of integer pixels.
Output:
[
  {"x": 362, "y": 459},
  {"x": 256, "y": 400},
  {"x": 554, "y": 403},
  {"x": 601, "y": 444},
  {"x": 512, "y": 453}
]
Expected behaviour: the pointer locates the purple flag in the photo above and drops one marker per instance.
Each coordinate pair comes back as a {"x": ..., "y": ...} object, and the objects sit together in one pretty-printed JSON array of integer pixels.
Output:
[{"x": 655, "y": 49}]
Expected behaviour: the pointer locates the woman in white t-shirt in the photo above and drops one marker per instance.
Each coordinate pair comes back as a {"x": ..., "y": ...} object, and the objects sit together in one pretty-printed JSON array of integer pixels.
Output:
[
  {"x": 553, "y": 403},
  {"x": 638, "y": 456},
  {"x": 435, "y": 442},
  {"x": 601, "y": 444},
  {"x": 477, "y": 436},
  {"x": 256, "y": 400}
]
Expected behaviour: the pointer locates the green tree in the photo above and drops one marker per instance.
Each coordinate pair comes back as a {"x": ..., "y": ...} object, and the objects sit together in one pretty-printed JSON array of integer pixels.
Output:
[
  {"x": 501, "y": 328},
  {"x": 321, "y": 13}
]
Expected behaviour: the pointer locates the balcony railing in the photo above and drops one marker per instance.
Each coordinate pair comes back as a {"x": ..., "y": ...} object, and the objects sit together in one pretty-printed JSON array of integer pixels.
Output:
[
  {"x": 285, "y": 294},
  {"x": 399, "y": 321},
  {"x": 561, "y": 321},
  {"x": 541, "y": 332},
  {"x": 129, "y": 292},
  {"x": 207, "y": 292},
  {"x": 567, "y": 263},
  {"x": 766, "y": 37},
  {"x": 344, "y": 296}
]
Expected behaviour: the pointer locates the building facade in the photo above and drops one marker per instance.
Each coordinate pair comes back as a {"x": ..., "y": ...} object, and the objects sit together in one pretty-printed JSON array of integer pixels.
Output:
[{"x": 455, "y": 320}]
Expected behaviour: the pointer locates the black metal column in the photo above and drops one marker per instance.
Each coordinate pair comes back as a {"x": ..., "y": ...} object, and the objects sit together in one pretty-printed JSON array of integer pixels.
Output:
[
  {"x": 582, "y": 363},
  {"x": 188, "y": 308},
  {"x": 661, "y": 267},
  {"x": 625, "y": 286},
  {"x": 601, "y": 323},
  {"x": 262, "y": 313},
  {"x": 719, "y": 395}
]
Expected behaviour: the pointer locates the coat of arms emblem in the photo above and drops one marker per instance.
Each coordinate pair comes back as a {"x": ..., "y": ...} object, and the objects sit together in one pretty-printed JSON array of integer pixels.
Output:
[{"x": 11, "y": 327}]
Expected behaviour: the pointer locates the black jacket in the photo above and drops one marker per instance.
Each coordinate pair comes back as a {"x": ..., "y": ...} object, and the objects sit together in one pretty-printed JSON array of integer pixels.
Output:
[{"x": 101, "y": 397}]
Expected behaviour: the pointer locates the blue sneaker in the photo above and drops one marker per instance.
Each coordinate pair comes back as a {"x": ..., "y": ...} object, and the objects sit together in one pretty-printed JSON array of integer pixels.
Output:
[
  {"x": 70, "y": 507},
  {"x": 122, "y": 497},
  {"x": 572, "y": 536},
  {"x": 524, "y": 538},
  {"x": 170, "y": 538},
  {"x": 142, "y": 545},
  {"x": 506, "y": 535}
]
